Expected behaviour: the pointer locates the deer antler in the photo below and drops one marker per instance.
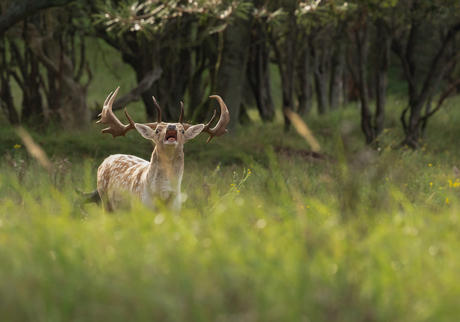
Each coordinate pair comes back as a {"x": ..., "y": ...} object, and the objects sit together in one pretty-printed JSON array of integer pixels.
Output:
[
  {"x": 159, "y": 111},
  {"x": 116, "y": 128},
  {"x": 219, "y": 129},
  {"x": 181, "y": 112}
]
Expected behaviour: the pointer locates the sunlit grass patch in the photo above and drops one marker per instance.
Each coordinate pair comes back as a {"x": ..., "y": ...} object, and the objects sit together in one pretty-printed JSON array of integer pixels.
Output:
[
  {"x": 283, "y": 241},
  {"x": 263, "y": 235}
]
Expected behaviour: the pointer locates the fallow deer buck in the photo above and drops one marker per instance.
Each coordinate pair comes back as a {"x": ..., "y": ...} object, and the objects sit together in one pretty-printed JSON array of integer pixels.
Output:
[{"x": 121, "y": 176}]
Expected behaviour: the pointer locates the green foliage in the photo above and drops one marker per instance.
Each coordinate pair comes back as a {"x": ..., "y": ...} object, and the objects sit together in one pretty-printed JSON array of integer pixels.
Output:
[
  {"x": 265, "y": 234},
  {"x": 152, "y": 17}
]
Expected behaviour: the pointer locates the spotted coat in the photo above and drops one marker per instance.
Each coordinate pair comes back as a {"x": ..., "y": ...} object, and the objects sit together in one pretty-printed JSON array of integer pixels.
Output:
[{"x": 121, "y": 178}]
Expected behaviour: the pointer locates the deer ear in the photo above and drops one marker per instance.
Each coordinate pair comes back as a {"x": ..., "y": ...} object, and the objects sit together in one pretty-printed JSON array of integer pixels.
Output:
[
  {"x": 193, "y": 131},
  {"x": 145, "y": 131}
]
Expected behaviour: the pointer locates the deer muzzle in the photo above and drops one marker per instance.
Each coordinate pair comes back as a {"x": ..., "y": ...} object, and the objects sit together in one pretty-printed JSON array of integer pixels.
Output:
[{"x": 171, "y": 134}]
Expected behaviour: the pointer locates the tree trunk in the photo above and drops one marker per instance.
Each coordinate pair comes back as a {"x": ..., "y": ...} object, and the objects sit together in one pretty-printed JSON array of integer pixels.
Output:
[
  {"x": 32, "y": 112},
  {"x": 146, "y": 57},
  {"x": 207, "y": 58},
  {"x": 6, "y": 96},
  {"x": 258, "y": 74},
  {"x": 305, "y": 87},
  {"x": 197, "y": 84},
  {"x": 336, "y": 85},
  {"x": 285, "y": 59},
  {"x": 382, "y": 48},
  {"x": 73, "y": 111},
  {"x": 417, "y": 99},
  {"x": 320, "y": 76},
  {"x": 175, "y": 82},
  {"x": 429, "y": 101},
  {"x": 320, "y": 85},
  {"x": 243, "y": 115},
  {"x": 176, "y": 61},
  {"x": 29, "y": 79},
  {"x": 345, "y": 89},
  {"x": 362, "y": 55},
  {"x": 232, "y": 69}
]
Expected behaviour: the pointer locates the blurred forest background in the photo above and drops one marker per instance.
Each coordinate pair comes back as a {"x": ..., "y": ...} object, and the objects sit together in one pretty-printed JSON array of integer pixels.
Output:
[{"x": 323, "y": 55}]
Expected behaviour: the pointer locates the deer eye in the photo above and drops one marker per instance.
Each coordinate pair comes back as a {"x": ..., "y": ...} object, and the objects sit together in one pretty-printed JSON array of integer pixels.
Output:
[
  {"x": 182, "y": 131},
  {"x": 157, "y": 131}
]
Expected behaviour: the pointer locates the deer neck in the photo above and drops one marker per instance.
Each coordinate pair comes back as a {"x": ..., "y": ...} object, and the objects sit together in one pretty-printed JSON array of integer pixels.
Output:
[{"x": 167, "y": 164}]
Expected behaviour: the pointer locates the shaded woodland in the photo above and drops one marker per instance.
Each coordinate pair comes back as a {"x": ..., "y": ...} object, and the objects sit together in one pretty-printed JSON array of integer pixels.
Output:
[{"x": 328, "y": 53}]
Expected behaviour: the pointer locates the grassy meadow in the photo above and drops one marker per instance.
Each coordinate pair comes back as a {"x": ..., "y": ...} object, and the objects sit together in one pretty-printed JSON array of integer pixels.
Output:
[{"x": 266, "y": 232}]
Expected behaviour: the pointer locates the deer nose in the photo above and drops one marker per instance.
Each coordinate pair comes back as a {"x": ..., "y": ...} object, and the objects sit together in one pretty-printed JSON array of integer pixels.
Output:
[{"x": 171, "y": 127}]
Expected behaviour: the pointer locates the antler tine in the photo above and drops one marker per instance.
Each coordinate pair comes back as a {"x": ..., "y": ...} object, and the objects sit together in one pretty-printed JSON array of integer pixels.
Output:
[
  {"x": 219, "y": 129},
  {"x": 116, "y": 128},
  {"x": 158, "y": 109},
  {"x": 130, "y": 120},
  {"x": 105, "y": 104},
  {"x": 181, "y": 112},
  {"x": 106, "y": 101},
  {"x": 207, "y": 127}
]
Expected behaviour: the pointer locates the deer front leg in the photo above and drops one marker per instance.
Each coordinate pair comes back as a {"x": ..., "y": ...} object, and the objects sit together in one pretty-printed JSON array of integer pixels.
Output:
[
  {"x": 169, "y": 199},
  {"x": 176, "y": 203}
]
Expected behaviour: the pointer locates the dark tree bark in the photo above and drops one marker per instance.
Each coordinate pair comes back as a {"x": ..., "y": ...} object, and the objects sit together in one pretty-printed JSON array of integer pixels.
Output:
[
  {"x": 454, "y": 86},
  {"x": 32, "y": 109},
  {"x": 206, "y": 59},
  {"x": 285, "y": 56},
  {"x": 243, "y": 115},
  {"x": 258, "y": 73},
  {"x": 304, "y": 77},
  {"x": 21, "y": 9},
  {"x": 337, "y": 61},
  {"x": 320, "y": 71},
  {"x": 381, "y": 49},
  {"x": 198, "y": 82},
  {"x": 171, "y": 88},
  {"x": 29, "y": 78},
  {"x": 453, "y": 73},
  {"x": 345, "y": 79},
  {"x": 361, "y": 35},
  {"x": 6, "y": 96},
  {"x": 232, "y": 69},
  {"x": 175, "y": 58}
]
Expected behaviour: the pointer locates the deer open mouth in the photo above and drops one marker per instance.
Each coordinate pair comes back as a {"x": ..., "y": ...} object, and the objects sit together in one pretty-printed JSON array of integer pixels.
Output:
[{"x": 171, "y": 136}]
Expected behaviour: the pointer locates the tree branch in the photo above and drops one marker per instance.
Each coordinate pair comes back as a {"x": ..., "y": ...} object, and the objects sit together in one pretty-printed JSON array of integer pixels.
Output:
[
  {"x": 403, "y": 120},
  {"x": 17, "y": 56},
  {"x": 36, "y": 45},
  {"x": 22, "y": 9},
  {"x": 437, "y": 60},
  {"x": 446, "y": 94},
  {"x": 135, "y": 94},
  {"x": 396, "y": 46}
]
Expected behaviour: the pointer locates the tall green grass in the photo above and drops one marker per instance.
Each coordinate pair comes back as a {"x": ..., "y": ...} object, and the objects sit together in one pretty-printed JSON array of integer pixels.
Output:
[{"x": 265, "y": 234}]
